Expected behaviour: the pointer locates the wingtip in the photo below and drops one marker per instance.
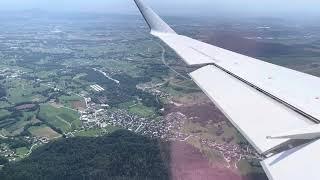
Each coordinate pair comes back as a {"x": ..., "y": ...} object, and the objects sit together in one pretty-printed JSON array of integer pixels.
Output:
[{"x": 155, "y": 23}]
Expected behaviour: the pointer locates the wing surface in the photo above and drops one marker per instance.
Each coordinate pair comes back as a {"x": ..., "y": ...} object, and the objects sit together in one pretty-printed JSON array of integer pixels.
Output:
[
  {"x": 294, "y": 164},
  {"x": 260, "y": 99},
  {"x": 249, "y": 110}
]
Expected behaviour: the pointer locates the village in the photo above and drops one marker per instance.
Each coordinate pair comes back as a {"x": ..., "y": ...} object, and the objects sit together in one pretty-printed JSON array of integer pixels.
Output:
[{"x": 168, "y": 128}]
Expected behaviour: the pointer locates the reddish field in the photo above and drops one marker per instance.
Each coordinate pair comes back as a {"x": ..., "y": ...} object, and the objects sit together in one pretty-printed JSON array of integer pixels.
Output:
[
  {"x": 80, "y": 105},
  {"x": 201, "y": 113},
  {"x": 25, "y": 106},
  {"x": 188, "y": 163}
]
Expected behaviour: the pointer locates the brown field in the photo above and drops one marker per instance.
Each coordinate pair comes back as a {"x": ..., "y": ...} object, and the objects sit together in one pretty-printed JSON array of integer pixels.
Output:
[
  {"x": 200, "y": 113},
  {"x": 192, "y": 98},
  {"x": 79, "y": 105},
  {"x": 44, "y": 131},
  {"x": 25, "y": 106},
  {"x": 188, "y": 163}
]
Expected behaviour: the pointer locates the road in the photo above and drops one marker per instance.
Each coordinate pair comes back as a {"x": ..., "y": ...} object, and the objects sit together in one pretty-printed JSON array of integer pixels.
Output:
[
  {"x": 163, "y": 56},
  {"x": 30, "y": 151},
  {"x": 61, "y": 119},
  {"x": 166, "y": 64},
  {"x": 2, "y": 136}
]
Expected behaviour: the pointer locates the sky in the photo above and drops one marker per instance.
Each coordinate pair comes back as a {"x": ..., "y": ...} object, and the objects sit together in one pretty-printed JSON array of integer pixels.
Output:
[{"x": 174, "y": 7}]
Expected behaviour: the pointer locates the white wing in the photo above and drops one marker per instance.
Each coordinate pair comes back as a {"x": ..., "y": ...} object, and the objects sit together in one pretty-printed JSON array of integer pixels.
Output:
[{"x": 276, "y": 109}]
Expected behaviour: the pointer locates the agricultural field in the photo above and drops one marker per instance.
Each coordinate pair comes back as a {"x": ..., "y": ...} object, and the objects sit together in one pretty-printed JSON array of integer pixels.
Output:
[
  {"x": 22, "y": 152},
  {"x": 95, "y": 132},
  {"x": 59, "y": 118},
  {"x": 72, "y": 101},
  {"x": 4, "y": 104},
  {"x": 4, "y": 113},
  {"x": 44, "y": 131},
  {"x": 14, "y": 123},
  {"x": 21, "y": 91},
  {"x": 141, "y": 110}
]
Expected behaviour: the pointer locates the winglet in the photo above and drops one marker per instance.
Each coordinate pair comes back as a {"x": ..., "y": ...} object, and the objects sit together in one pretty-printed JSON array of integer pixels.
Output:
[{"x": 155, "y": 23}]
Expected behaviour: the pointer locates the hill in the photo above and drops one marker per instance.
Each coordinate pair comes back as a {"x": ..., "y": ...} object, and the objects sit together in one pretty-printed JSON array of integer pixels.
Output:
[{"x": 120, "y": 155}]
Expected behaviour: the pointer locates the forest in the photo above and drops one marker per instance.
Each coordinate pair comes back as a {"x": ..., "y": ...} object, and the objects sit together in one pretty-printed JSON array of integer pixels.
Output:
[{"x": 120, "y": 155}]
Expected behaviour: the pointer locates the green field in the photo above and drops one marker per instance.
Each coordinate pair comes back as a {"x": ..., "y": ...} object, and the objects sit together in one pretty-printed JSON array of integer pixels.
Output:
[
  {"x": 22, "y": 152},
  {"x": 96, "y": 132},
  {"x": 14, "y": 125},
  {"x": 137, "y": 108},
  {"x": 60, "y": 118},
  {"x": 4, "y": 104},
  {"x": 68, "y": 100},
  {"x": 126, "y": 105},
  {"x": 4, "y": 113},
  {"x": 20, "y": 91},
  {"x": 46, "y": 74},
  {"x": 142, "y": 110},
  {"x": 89, "y": 133}
]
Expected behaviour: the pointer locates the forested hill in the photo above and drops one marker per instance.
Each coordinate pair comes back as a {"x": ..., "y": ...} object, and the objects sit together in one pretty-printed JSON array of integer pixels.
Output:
[{"x": 118, "y": 156}]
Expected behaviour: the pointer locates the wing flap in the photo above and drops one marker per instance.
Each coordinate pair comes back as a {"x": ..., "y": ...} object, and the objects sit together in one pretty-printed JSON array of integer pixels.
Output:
[{"x": 254, "y": 114}]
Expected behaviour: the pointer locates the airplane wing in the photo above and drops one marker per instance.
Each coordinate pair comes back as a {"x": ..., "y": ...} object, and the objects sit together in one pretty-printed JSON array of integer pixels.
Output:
[{"x": 275, "y": 108}]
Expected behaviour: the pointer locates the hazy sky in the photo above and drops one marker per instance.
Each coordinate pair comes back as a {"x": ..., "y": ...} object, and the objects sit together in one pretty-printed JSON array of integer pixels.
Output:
[{"x": 181, "y": 7}]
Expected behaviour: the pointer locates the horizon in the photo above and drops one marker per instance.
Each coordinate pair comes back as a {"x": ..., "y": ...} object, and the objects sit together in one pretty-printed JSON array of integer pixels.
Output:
[{"x": 271, "y": 8}]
